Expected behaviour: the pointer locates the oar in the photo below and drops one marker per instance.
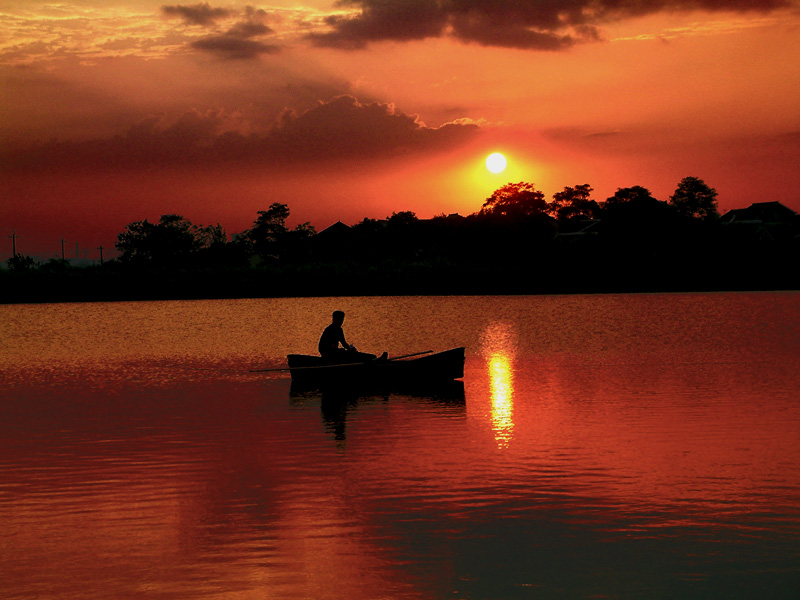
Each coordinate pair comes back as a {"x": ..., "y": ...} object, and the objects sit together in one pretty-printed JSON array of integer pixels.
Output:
[
  {"x": 335, "y": 365},
  {"x": 410, "y": 355}
]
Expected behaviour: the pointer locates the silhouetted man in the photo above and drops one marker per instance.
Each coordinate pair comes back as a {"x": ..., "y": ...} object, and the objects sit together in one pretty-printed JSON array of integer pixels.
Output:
[{"x": 331, "y": 338}]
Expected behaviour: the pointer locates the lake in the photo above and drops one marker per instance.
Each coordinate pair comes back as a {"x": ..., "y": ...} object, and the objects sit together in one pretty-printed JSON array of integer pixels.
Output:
[{"x": 600, "y": 446}]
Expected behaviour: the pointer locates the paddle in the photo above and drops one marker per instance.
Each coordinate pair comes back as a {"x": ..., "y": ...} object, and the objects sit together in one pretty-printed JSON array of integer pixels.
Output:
[
  {"x": 336, "y": 365},
  {"x": 410, "y": 355}
]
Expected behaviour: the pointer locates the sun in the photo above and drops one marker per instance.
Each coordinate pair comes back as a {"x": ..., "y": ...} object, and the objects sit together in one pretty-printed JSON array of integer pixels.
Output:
[{"x": 496, "y": 162}]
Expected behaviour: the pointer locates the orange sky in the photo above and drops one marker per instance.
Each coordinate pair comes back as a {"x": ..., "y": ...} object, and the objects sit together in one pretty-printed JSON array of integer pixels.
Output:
[{"x": 115, "y": 111}]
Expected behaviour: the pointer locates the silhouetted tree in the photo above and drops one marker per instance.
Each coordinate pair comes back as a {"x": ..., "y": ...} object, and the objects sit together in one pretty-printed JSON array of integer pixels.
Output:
[
  {"x": 304, "y": 231},
  {"x": 294, "y": 241},
  {"x": 636, "y": 194},
  {"x": 403, "y": 238},
  {"x": 693, "y": 198},
  {"x": 211, "y": 236},
  {"x": 170, "y": 242},
  {"x": 632, "y": 213},
  {"x": 20, "y": 262},
  {"x": 268, "y": 231},
  {"x": 402, "y": 219},
  {"x": 55, "y": 266},
  {"x": 515, "y": 200},
  {"x": 573, "y": 202},
  {"x": 368, "y": 233},
  {"x": 369, "y": 226},
  {"x": 269, "y": 237}
]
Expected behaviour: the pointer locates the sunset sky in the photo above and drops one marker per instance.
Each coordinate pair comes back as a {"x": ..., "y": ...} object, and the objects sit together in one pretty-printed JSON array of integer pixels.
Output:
[{"x": 113, "y": 111}]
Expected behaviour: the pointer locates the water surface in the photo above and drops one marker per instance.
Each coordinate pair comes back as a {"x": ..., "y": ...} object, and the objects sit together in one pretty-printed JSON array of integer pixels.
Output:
[{"x": 621, "y": 446}]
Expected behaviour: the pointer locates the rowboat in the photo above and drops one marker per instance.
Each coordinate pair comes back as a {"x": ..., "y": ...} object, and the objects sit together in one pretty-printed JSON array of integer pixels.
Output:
[{"x": 438, "y": 366}]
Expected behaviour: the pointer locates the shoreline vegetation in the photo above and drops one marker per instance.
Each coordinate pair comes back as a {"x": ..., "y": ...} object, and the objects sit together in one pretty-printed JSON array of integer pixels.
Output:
[{"x": 518, "y": 243}]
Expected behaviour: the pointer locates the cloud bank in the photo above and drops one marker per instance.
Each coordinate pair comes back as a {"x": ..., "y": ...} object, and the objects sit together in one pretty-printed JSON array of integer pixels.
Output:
[
  {"x": 340, "y": 129},
  {"x": 240, "y": 41},
  {"x": 197, "y": 14},
  {"x": 551, "y": 25}
]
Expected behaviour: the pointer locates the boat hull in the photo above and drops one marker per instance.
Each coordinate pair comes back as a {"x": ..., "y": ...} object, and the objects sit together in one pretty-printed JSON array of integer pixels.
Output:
[{"x": 441, "y": 366}]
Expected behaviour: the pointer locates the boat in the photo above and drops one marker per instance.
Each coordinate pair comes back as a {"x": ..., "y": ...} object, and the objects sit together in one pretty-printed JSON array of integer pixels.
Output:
[{"x": 433, "y": 366}]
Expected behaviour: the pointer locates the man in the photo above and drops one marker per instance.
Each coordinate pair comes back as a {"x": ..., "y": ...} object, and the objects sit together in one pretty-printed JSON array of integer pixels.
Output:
[{"x": 332, "y": 336}]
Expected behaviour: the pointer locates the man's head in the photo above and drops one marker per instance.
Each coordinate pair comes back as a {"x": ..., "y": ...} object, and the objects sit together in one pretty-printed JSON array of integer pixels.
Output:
[{"x": 338, "y": 317}]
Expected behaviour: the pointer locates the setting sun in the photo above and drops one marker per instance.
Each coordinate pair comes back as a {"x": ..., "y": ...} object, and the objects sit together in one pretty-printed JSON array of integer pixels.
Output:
[{"x": 496, "y": 162}]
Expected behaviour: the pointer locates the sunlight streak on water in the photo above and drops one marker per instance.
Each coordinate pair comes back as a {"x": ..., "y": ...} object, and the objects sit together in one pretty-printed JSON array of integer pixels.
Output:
[
  {"x": 502, "y": 398},
  {"x": 498, "y": 347}
]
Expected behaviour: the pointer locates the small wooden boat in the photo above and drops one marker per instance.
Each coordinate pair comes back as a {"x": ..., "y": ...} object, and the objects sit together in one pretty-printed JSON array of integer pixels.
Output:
[{"x": 438, "y": 366}]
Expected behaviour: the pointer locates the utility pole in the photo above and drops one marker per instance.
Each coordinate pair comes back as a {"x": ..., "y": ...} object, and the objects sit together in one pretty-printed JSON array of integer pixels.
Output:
[
  {"x": 101, "y": 253},
  {"x": 63, "y": 257},
  {"x": 13, "y": 237}
]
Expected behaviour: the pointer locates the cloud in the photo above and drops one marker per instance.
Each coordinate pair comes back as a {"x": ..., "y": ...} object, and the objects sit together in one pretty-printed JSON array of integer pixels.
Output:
[
  {"x": 381, "y": 20},
  {"x": 238, "y": 41},
  {"x": 341, "y": 128},
  {"x": 344, "y": 127},
  {"x": 234, "y": 47},
  {"x": 506, "y": 23},
  {"x": 196, "y": 14}
]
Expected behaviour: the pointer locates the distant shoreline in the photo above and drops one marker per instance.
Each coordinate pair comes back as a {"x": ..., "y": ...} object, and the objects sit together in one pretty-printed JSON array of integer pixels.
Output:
[
  {"x": 633, "y": 244},
  {"x": 121, "y": 287}
]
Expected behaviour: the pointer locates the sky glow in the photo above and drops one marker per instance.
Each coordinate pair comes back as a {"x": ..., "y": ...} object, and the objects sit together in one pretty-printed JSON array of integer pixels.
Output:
[{"x": 115, "y": 112}]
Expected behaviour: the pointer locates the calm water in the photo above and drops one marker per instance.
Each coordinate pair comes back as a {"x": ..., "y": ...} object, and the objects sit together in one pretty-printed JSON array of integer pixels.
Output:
[{"x": 626, "y": 446}]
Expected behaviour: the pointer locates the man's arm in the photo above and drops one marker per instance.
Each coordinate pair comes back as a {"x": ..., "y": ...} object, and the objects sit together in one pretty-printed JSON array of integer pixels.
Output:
[{"x": 342, "y": 340}]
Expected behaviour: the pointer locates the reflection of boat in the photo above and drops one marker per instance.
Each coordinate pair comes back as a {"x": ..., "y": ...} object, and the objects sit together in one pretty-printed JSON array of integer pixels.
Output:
[
  {"x": 339, "y": 398},
  {"x": 440, "y": 366},
  {"x": 446, "y": 392}
]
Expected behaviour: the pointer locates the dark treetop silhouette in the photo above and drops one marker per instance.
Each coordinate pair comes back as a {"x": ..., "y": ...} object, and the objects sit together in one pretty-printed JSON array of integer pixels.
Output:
[{"x": 516, "y": 243}]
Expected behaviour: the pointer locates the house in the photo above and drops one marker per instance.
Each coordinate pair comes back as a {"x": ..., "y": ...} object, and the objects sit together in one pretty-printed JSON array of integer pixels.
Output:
[
  {"x": 763, "y": 221},
  {"x": 763, "y": 213},
  {"x": 335, "y": 233}
]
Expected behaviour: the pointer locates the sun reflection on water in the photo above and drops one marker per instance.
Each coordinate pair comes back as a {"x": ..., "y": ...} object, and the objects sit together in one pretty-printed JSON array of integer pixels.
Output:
[
  {"x": 498, "y": 347},
  {"x": 502, "y": 389}
]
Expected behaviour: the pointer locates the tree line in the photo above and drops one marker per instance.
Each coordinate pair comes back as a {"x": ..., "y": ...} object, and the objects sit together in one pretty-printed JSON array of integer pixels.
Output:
[{"x": 518, "y": 242}]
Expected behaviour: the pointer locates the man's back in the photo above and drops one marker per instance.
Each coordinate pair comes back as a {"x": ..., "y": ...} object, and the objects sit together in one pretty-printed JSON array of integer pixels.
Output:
[{"x": 330, "y": 338}]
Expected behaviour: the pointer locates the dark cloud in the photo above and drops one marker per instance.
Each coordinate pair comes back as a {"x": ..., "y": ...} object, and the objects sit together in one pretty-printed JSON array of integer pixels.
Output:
[
  {"x": 196, "y": 14},
  {"x": 249, "y": 29},
  {"x": 234, "y": 47},
  {"x": 540, "y": 25},
  {"x": 384, "y": 20},
  {"x": 238, "y": 41},
  {"x": 342, "y": 128}
]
